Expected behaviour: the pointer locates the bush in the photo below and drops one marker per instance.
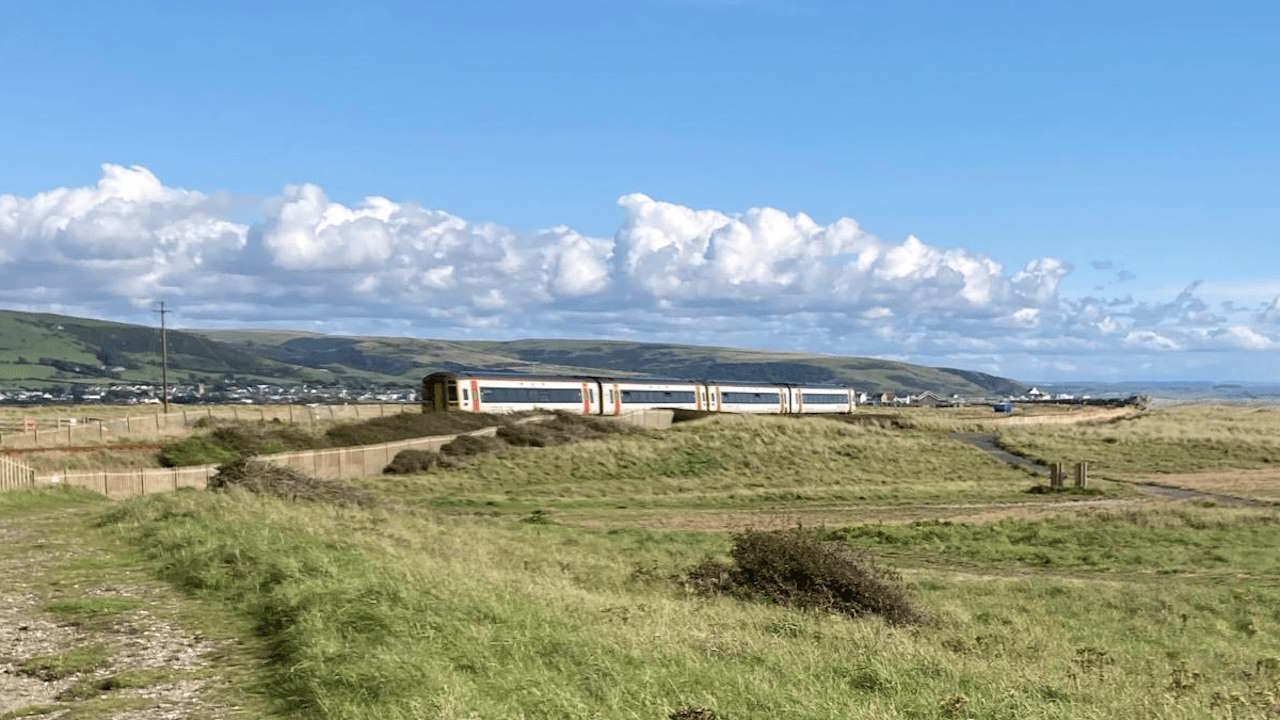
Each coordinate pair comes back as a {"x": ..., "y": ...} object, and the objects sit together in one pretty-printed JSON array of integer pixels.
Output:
[
  {"x": 693, "y": 712},
  {"x": 407, "y": 462},
  {"x": 465, "y": 446},
  {"x": 403, "y": 426},
  {"x": 562, "y": 429},
  {"x": 801, "y": 568},
  {"x": 229, "y": 441},
  {"x": 284, "y": 482}
]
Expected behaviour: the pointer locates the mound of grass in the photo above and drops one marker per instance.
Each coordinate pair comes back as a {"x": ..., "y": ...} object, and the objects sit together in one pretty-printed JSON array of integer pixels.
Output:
[
  {"x": 803, "y": 568},
  {"x": 229, "y": 441},
  {"x": 284, "y": 482},
  {"x": 403, "y": 426},
  {"x": 408, "y": 462},
  {"x": 562, "y": 429}
]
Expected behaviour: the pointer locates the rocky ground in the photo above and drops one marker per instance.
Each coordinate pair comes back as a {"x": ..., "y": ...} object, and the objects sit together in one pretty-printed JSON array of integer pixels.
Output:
[{"x": 83, "y": 636}]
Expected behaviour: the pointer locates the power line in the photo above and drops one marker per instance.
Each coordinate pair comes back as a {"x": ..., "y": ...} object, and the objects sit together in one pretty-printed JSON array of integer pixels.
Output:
[{"x": 164, "y": 357}]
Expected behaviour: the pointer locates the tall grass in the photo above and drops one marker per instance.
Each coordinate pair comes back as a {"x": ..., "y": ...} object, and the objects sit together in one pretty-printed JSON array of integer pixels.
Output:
[
  {"x": 731, "y": 461},
  {"x": 395, "y": 615}
]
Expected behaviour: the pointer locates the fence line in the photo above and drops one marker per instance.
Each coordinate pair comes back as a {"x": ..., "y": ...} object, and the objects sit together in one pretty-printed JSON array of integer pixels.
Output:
[
  {"x": 62, "y": 432},
  {"x": 336, "y": 464},
  {"x": 1072, "y": 418},
  {"x": 14, "y": 475},
  {"x": 343, "y": 463}
]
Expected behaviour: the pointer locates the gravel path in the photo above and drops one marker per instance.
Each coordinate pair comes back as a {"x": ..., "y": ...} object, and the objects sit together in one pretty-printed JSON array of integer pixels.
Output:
[{"x": 138, "y": 639}]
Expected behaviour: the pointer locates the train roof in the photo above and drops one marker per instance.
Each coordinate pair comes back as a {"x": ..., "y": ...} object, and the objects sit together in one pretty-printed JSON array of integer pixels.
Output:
[{"x": 513, "y": 375}]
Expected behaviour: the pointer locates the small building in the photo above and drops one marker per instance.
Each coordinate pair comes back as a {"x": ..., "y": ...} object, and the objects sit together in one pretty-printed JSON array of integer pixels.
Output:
[
  {"x": 928, "y": 399},
  {"x": 1037, "y": 394}
]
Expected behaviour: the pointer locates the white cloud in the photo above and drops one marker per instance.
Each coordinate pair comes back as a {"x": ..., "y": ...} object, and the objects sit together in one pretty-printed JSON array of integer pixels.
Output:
[
  {"x": 1245, "y": 338},
  {"x": 762, "y": 277},
  {"x": 1150, "y": 340}
]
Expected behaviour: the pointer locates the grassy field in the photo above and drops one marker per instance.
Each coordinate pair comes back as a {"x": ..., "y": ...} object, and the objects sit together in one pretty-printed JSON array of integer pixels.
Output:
[
  {"x": 1174, "y": 440},
  {"x": 545, "y": 583}
]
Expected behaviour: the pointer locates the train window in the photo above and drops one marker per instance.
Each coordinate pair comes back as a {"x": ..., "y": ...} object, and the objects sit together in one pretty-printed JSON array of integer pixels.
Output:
[
  {"x": 658, "y": 396},
  {"x": 530, "y": 395},
  {"x": 466, "y": 395},
  {"x": 451, "y": 391},
  {"x": 592, "y": 391},
  {"x": 749, "y": 397},
  {"x": 609, "y": 394},
  {"x": 826, "y": 398}
]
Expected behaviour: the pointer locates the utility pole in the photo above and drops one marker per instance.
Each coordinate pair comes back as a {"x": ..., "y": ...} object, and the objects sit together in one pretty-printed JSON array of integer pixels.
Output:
[{"x": 164, "y": 358}]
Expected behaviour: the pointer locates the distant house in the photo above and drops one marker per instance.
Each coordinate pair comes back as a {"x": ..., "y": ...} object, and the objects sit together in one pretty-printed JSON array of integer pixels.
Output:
[
  {"x": 1037, "y": 394},
  {"x": 929, "y": 399}
]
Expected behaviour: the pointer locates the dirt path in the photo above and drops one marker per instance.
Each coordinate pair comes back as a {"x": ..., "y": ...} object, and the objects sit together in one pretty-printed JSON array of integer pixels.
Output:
[
  {"x": 986, "y": 442},
  {"x": 84, "y": 635}
]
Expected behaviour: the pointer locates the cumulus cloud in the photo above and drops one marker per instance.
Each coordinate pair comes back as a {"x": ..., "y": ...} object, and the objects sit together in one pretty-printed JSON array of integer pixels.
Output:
[{"x": 760, "y": 277}]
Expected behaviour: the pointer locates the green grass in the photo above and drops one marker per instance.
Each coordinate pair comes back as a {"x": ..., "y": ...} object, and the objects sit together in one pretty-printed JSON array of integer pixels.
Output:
[
  {"x": 72, "y": 662},
  {"x": 732, "y": 461},
  {"x": 91, "y": 607},
  {"x": 1185, "y": 540},
  {"x": 397, "y": 615}
]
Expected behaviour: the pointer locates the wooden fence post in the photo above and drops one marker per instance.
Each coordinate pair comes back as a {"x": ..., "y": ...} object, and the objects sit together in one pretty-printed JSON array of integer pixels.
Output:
[{"x": 1082, "y": 475}]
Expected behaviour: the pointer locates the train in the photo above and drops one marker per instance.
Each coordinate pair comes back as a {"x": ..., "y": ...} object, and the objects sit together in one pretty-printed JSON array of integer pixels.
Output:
[{"x": 489, "y": 392}]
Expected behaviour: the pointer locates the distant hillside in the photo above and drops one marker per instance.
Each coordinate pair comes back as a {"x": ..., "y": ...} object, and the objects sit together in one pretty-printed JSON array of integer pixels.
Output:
[{"x": 39, "y": 350}]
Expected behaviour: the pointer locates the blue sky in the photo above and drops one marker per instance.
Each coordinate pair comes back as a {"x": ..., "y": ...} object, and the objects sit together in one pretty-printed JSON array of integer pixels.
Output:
[{"x": 1135, "y": 145}]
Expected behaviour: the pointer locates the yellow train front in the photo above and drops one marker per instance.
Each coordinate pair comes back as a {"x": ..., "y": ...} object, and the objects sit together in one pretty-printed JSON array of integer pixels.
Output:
[{"x": 504, "y": 393}]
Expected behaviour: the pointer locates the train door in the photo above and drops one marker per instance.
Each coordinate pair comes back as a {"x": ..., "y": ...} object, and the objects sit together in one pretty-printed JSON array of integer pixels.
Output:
[
  {"x": 434, "y": 400},
  {"x": 617, "y": 399},
  {"x": 705, "y": 393},
  {"x": 715, "y": 396},
  {"x": 588, "y": 398},
  {"x": 797, "y": 400}
]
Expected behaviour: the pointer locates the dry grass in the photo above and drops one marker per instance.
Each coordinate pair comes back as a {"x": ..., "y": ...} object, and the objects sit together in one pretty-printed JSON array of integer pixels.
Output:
[
  {"x": 1172, "y": 440},
  {"x": 1261, "y": 484}
]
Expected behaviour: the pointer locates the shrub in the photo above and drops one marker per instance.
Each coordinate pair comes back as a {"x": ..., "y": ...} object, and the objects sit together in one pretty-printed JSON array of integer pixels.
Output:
[
  {"x": 561, "y": 429},
  {"x": 403, "y": 426},
  {"x": 801, "y": 568},
  {"x": 407, "y": 462},
  {"x": 693, "y": 712},
  {"x": 468, "y": 445},
  {"x": 284, "y": 482}
]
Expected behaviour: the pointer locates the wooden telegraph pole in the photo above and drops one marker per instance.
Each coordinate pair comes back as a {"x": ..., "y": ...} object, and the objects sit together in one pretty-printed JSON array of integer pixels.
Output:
[{"x": 164, "y": 359}]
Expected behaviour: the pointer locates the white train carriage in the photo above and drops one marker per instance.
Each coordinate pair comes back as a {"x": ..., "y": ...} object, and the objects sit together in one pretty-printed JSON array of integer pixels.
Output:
[
  {"x": 498, "y": 393},
  {"x": 809, "y": 399},
  {"x": 747, "y": 398},
  {"x": 623, "y": 395}
]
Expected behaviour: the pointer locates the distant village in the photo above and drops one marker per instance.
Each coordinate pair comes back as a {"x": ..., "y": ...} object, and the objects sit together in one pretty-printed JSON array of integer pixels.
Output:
[
  {"x": 272, "y": 394},
  {"x": 248, "y": 394}
]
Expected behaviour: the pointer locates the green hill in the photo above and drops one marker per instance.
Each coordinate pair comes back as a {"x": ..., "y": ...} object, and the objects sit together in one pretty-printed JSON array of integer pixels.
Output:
[{"x": 39, "y": 350}]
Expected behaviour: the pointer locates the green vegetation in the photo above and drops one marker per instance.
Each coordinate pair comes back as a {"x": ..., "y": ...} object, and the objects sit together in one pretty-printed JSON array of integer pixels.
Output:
[
  {"x": 506, "y": 587},
  {"x": 228, "y": 441},
  {"x": 1183, "y": 540},
  {"x": 1174, "y": 440},
  {"x": 72, "y": 662},
  {"x": 92, "y": 607},
  {"x": 731, "y": 461},
  {"x": 801, "y": 568}
]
